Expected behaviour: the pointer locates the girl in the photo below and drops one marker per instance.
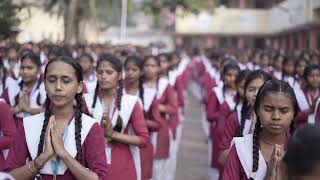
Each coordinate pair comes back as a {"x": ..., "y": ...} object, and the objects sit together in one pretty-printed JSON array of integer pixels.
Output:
[
  {"x": 252, "y": 155},
  {"x": 5, "y": 80},
  {"x": 221, "y": 101},
  {"x": 27, "y": 97},
  {"x": 302, "y": 158},
  {"x": 156, "y": 77},
  {"x": 13, "y": 62},
  {"x": 288, "y": 74},
  {"x": 277, "y": 66},
  {"x": 7, "y": 132},
  {"x": 239, "y": 122},
  {"x": 310, "y": 94},
  {"x": 90, "y": 79},
  {"x": 299, "y": 68},
  {"x": 147, "y": 92},
  {"x": 122, "y": 118},
  {"x": 59, "y": 142}
]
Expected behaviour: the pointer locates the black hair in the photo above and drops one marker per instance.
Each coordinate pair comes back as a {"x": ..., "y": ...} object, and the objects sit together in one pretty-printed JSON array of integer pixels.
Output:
[
  {"x": 257, "y": 74},
  {"x": 241, "y": 77},
  {"x": 302, "y": 156},
  {"x": 117, "y": 65},
  {"x": 308, "y": 70},
  {"x": 232, "y": 65},
  {"x": 272, "y": 85},
  {"x": 36, "y": 60},
  {"x": 78, "y": 109},
  {"x": 4, "y": 77},
  {"x": 139, "y": 63},
  {"x": 86, "y": 55},
  {"x": 287, "y": 60}
]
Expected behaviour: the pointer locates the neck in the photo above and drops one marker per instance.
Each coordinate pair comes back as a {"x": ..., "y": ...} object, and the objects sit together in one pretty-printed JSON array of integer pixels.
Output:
[
  {"x": 279, "y": 139},
  {"x": 312, "y": 90},
  {"x": 133, "y": 87},
  {"x": 87, "y": 74},
  {"x": 30, "y": 85},
  {"x": 152, "y": 81},
  {"x": 63, "y": 113},
  {"x": 162, "y": 74},
  {"x": 110, "y": 93}
]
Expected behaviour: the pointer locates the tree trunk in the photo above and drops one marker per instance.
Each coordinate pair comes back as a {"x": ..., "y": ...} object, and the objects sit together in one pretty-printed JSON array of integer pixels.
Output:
[{"x": 71, "y": 22}]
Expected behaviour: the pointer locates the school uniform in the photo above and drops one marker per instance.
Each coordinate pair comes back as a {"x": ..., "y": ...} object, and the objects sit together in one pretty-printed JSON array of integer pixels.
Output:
[
  {"x": 166, "y": 96},
  {"x": 219, "y": 104},
  {"x": 239, "y": 163},
  {"x": 152, "y": 113},
  {"x": 14, "y": 73},
  {"x": 123, "y": 160},
  {"x": 14, "y": 89},
  {"x": 305, "y": 101},
  {"x": 90, "y": 84},
  {"x": 7, "y": 132},
  {"x": 232, "y": 128},
  {"x": 26, "y": 146},
  {"x": 8, "y": 81}
]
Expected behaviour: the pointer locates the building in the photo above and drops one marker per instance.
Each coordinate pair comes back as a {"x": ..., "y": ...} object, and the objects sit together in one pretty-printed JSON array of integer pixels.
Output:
[{"x": 280, "y": 24}]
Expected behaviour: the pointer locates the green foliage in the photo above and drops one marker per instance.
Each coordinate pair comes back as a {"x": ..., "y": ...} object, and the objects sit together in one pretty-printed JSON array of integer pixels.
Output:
[
  {"x": 8, "y": 19},
  {"x": 195, "y": 6}
]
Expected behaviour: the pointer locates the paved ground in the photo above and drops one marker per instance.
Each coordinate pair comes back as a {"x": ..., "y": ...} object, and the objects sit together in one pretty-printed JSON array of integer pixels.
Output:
[{"x": 193, "y": 152}]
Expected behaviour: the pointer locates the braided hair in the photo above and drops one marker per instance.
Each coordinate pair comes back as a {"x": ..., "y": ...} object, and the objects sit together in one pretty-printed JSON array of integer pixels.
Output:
[
  {"x": 257, "y": 74},
  {"x": 157, "y": 60},
  {"x": 78, "y": 108},
  {"x": 4, "y": 77},
  {"x": 139, "y": 63},
  {"x": 272, "y": 85},
  {"x": 243, "y": 75},
  {"x": 36, "y": 60},
  {"x": 117, "y": 65}
]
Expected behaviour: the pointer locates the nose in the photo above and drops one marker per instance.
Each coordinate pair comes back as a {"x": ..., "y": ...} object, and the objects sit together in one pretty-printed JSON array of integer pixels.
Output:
[
  {"x": 58, "y": 85},
  {"x": 275, "y": 115}
]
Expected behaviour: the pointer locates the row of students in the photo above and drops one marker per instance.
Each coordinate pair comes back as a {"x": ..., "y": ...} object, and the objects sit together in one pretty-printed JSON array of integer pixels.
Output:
[
  {"x": 129, "y": 125},
  {"x": 223, "y": 130}
]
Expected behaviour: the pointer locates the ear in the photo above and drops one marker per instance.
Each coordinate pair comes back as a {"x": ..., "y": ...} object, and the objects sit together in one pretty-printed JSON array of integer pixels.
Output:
[{"x": 80, "y": 87}]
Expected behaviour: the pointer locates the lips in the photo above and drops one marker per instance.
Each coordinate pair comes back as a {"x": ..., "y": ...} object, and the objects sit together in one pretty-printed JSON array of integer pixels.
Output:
[
  {"x": 276, "y": 126},
  {"x": 58, "y": 97}
]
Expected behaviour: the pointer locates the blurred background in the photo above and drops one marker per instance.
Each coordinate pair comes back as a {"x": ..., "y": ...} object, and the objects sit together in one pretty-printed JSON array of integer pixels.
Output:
[{"x": 280, "y": 24}]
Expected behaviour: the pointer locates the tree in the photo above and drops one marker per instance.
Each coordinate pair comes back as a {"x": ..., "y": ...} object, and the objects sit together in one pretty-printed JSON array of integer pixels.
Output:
[
  {"x": 101, "y": 14},
  {"x": 8, "y": 19},
  {"x": 164, "y": 9}
]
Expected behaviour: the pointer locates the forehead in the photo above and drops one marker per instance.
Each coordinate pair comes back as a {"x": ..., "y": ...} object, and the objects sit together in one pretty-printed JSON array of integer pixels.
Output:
[
  {"x": 151, "y": 61},
  {"x": 258, "y": 82},
  {"x": 277, "y": 99},
  {"x": 27, "y": 62},
  {"x": 60, "y": 68},
  {"x": 105, "y": 65}
]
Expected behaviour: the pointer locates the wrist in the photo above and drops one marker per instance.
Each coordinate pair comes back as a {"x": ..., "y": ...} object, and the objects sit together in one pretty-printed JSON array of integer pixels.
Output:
[{"x": 63, "y": 154}]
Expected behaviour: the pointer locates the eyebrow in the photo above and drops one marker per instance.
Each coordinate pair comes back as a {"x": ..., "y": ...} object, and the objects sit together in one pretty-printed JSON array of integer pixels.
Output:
[
  {"x": 56, "y": 76},
  {"x": 270, "y": 106}
]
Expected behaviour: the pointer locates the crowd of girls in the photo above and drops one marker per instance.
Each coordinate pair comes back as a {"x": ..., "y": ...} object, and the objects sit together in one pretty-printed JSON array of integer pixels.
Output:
[
  {"x": 90, "y": 112},
  {"x": 252, "y": 103},
  {"x": 116, "y": 112}
]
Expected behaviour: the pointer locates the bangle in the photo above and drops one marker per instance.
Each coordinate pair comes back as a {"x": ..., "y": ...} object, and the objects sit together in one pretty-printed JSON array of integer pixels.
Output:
[{"x": 37, "y": 165}]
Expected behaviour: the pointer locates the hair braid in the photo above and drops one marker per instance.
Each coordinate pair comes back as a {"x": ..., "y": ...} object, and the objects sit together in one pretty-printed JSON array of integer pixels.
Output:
[
  {"x": 244, "y": 113},
  {"x": 47, "y": 115},
  {"x": 78, "y": 126},
  {"x": 256, "y": 146},
  {"x": 118, "y": 126}
]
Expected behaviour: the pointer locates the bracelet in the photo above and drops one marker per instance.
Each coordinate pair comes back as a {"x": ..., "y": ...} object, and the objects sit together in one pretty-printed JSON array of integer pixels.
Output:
[{"x": 37, "y": 165}]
